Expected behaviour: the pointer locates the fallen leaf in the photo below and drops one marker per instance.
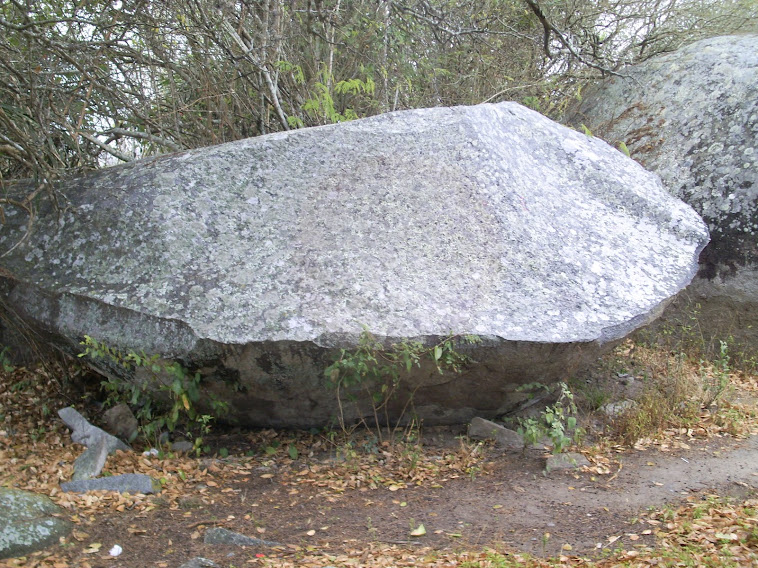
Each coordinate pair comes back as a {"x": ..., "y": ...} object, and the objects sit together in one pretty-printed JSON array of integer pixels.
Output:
[
  {"x": 419, "y": 530},
  {"x": 93, "y": 548}
]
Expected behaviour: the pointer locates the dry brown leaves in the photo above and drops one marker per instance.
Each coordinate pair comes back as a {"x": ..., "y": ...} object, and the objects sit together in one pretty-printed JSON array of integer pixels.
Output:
[{"x": 36, "y": 454}]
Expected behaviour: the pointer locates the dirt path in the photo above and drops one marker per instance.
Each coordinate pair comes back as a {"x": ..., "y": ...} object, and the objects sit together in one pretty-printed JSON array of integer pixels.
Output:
[{"x": 511, "y": 503}]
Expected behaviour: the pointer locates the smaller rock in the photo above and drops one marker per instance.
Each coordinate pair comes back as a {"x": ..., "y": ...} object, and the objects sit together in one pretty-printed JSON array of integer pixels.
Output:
[
  {"x": 625, "y": 379},
  {"x": 199, "y": 562},
  {"x": 481, "y": 429},
  {"x": 27, "y": 523},
  {"x": 92, "y": 461},
  {"x": 98, "y": 442},
  {"x": 614, "y": 409},
  {"x": 127, "y": 483},
  {"x": 569, "y": 460},
  {"x": 85, "y": 433},
  {"x": 182, "y": 446},
  {"x": 120, "y": 421},
  {"x": 218, "y": 535}
]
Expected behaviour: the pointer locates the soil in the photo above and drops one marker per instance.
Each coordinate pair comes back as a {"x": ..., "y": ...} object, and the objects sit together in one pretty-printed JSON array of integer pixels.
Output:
[
  {"x": 331, "y": 503},
  {"x": 509, "y": 505}
]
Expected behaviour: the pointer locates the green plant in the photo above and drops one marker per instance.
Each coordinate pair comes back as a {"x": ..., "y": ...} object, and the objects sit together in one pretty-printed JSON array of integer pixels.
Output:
[
  {"x": 377, "y": 370},
  {"x": 180, "y": 388},
  {"x": 716, "y": 375},
  {"x": 557, "y": 422},
  {"x": 322, "y": 104}
]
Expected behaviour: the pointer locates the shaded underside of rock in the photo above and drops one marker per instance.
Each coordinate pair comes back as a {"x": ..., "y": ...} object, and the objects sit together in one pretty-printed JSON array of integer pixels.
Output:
[
  {"x": 691, "y": 116},
  {"x": 255, "y": 261}
]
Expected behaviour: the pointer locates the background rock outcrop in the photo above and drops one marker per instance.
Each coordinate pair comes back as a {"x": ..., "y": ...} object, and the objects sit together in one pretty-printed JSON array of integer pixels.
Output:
[
  {"x": 254, "y": 262},
  {"x": 691, "y": 116}
]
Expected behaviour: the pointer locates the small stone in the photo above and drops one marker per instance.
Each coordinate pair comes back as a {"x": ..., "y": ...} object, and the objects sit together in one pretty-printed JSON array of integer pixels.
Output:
[
  {"x": 85, "y": 433},
  {"x": 199, "y": 562},
  {"x": 481, "y": 429},
  {"x": 218, "y": 535},
  {"x": 569, "y": 460},
  {"x": 98, "y": 442},
  {"x": 614, "y": 409},
  {"x": 625, "y": 379},
  {"x": 91, "y": 462},
  {"x": 120, "y": 421},
  {"x": 182, "y": 446},
  {"x": 127, "y": 483}
]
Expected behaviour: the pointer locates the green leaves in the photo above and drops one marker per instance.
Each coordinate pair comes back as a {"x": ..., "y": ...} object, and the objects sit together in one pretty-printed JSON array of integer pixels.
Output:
[
  {"x": 557, "y": 423},
  {"x": 377, "y": 369},
  {"x": 154, "y": 412}
]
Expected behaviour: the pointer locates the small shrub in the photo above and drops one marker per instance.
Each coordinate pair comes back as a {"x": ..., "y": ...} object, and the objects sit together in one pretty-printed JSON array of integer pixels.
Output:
[
  {"x": 557, "y": 423},
  {"x": 180, "y": 388},
  {"x": 377, "y": 370}
]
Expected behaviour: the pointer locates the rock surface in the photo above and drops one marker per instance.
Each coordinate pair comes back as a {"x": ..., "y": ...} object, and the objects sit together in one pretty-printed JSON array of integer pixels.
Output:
[
  {"x": 99, "y": 444},
  {"x": 692, "y": 117},
  {"x": 481, "y": 429},
  {"x": 126, "y": 483},
  {"x": 254, "y": 262},
  {"x": 27, "y": 523},
  {"x": 218, "y": 535}
]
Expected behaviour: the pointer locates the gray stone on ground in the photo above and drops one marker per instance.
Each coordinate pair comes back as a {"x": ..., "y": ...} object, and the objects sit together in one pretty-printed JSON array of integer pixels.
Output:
[
  {"x": 199, "y": 562},
  {"x": 255, "y": 262},
  {"x": 120, "y": 422},
  {"x": 126, "y": 483},
  {"x": 98, "y": 442},
  {"x": 615, "y": 409},
  {"x": 566, "y": 461},
  {"x": 28, "y": 523},
  {"x": 91, "y": 461},
  {"x": 481, "y": 429},
  {"x": 691, "y": 116},
  {"x": 218, "y": 535},
  {"x": 85, "y": 433},
  {"x": 182, "y": 446}
]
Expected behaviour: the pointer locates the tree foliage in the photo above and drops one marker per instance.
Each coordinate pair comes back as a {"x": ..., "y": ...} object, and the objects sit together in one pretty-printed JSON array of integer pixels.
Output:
[{"x": 87, "y": 83}]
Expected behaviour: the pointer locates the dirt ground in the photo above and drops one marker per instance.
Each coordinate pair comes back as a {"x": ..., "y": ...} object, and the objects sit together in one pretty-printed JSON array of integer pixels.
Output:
[
  {"x": 510, "y": 505},
  {"x": 325, "y": 502}
]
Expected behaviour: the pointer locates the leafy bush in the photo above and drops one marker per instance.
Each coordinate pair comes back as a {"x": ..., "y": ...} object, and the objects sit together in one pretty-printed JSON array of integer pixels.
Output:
[
  {"x": 153, "y": 412},
  {"x": 378, "y": 370},
  {"x": 557, "y": 422}
]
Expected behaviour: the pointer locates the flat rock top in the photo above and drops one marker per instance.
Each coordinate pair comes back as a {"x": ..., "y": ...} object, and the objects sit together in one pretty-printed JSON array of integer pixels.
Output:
[{"x": 490, "y": 220}]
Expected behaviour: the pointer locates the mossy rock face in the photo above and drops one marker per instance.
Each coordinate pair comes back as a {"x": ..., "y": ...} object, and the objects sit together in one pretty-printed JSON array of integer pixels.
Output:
[{"x": 27, "y": 523}]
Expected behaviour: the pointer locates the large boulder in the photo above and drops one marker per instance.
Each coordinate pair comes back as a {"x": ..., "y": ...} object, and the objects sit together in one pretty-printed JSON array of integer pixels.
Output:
[
  {"x": 692, "y": 117},
  {"x": 29, "y": 522},
  {"x": 254, "y": 262}
]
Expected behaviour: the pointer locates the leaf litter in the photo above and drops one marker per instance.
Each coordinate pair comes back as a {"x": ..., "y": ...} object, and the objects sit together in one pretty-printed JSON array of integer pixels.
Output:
[{"x": 37, "y": 455}]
